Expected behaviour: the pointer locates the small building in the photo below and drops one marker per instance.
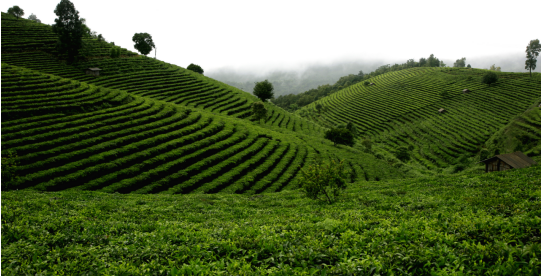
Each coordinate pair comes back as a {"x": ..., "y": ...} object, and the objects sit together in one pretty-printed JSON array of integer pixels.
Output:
[
  {"x": 442, "y": 110},
  {"x": 93, "y": 71},
  {"x": 466, "y": 91},
  {"x": 372, "y": 83},
  {"x": 504, "y": 162}
]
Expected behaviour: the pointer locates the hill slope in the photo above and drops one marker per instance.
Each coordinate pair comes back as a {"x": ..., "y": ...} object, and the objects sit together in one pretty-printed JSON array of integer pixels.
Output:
[
  {"x": 401, "y": 110},
  {"x": 451, "y": 225},
  {"x": 148, "y": 127}
]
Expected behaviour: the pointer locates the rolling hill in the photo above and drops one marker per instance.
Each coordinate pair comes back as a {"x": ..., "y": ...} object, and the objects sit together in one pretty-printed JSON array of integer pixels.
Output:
[
  {"x": 401, "y": 110},
  {"x": 145, "y": 126}
]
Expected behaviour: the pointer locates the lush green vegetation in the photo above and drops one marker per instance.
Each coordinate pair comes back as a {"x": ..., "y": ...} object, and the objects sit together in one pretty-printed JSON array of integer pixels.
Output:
[
  {"x": 401, "y": 110},
  {"x": 292, "y": 102},
  {"x": 445, "y": 225},
  {"x": 151, "y": 168}
]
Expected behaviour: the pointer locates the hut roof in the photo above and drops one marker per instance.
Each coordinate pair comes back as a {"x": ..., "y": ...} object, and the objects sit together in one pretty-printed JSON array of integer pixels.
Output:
[
  {"x": 466, "y": 90},
  {"x": 441, "y": 110},
  {"x": 94, "y": 69},
  {"x": 372, "y": 83},
  {"x": 516, "y": 159}
]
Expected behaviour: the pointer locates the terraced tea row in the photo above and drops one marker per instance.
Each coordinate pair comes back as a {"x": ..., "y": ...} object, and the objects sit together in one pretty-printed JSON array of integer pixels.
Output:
[
  {"x": 144, "y": 145},
  {"x": 401, "y": 110},
  {"x": 142, "y": 76}
]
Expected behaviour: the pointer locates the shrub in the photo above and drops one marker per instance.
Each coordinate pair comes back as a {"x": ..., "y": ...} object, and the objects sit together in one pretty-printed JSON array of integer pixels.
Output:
[
  {"x": 259, "y": 111},
  {"x": 324, "y": 181},
  {"x": 340, "y": 136},
  {"x": 9, "y": 164},
  {"x": 402, "y": 154},
  {"x": 367, "y": 144},
  {"x": 196, "y": 68}
]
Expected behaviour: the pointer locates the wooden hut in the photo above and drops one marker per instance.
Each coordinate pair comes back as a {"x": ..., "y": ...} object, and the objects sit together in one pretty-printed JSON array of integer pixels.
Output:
[
  {"x": 442, "y": 110},
  {"x": 372, "y": 83},
  {"x": 504, "y": 162},
  {"x": 93, "y": 71},
  {"x": 466, "y": 91}
]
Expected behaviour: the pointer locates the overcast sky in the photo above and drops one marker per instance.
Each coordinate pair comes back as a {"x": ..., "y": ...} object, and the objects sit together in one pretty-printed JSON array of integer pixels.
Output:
[{"x": 288, "y": 35}]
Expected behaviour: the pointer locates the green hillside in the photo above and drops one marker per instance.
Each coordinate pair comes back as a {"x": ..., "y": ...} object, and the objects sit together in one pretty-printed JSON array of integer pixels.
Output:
[
  {"x": 401, "y": 110},
  {"x": 454, "y": 225},
  {"x": 149, "y": 127}
]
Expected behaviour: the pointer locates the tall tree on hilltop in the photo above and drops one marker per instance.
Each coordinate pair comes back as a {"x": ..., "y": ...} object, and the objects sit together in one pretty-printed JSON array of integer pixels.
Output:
[
  {"x": 264, "y": 90},
  {"x": 69, "y": 28},
  {"x": 143, "y": 43},
  {"x": 532, "y": 52},
  {"x": 16, "y": 11}
]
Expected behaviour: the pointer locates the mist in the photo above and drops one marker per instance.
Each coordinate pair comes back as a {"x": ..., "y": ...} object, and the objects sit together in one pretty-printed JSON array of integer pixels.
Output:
[
  {"x": 292, "y": 80},
  {"x": 303, "y": 77}
]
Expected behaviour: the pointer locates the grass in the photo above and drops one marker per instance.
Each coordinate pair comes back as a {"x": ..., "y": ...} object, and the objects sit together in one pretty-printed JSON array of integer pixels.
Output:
[{"x": 446, "y": 225}]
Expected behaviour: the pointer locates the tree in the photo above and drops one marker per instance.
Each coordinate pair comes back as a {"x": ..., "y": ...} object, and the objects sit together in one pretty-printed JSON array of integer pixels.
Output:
[
  {"x": 352, "y": 128},
  {"x": 264, "y": 90},
  {"x": 259, "y": 111},
  {"x": 442, "y": 64},
  {"x": 34, "y": 18},
  {"x": 532, "y": 52},
  {"x": 469, "y": 66},
  {"x": 489, "y": 78},
  {"x": 69, "y": 29},
  {"x": 324, "y": 181},
  {"x": 115, "y": 52},
  {"x": 293, "y": 107},
  {"x": 196, "y": 68},
  {"x": 494, "y": 68},
  {"x": 340, "y": 136},
  {"x": 143, "y": 43},
  {"x": 319, "y": 107},
  {"x": 460, "y": 62},
  {"x": 16, "y": 11}
]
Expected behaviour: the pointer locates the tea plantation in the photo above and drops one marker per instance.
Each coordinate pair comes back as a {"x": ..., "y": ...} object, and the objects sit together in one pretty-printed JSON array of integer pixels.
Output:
[{"x": 152, "y": 169}]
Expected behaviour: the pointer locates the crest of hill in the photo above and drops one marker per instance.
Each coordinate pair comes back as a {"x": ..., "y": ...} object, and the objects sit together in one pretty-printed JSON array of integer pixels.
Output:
[
  {"x": 401, "y": 111},
  {"x": 124, "y": 132}
]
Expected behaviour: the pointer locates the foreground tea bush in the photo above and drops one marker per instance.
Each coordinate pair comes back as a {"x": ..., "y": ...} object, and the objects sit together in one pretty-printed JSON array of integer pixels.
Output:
[
  {"x": 324, "y": 181},
  {"x": 486, "y": 224}
]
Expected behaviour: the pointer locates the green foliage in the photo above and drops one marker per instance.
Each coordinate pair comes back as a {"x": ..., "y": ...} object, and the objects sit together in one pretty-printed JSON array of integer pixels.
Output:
[
  {"x": 264, "y": 90},
  {"x": 16, "y": 11},
  {"x": 532, "y": 52},
  {"x": 259, "y": 111},
  {"x": 489, "y": 78},
  {"x": 324, "y": 181},
  {"x": 195, "y": 68},
  {"x": 69, "y": 29},
  {"x": 367, "y": 144},
  {"x": 293, "y": 107},
  {"x": 9, "y": 167},
  {"x": 445, "y": 94},
  {"x": 402, "y": 154},
  {"x": 460, "y": 63},
  {"x": 312, "y": 95},
  {"x": 115, "y": 52},
  {"x": 143, "y": 43},
  {"x": 352, "y": 128},
  {"x": 319, "y": 107},
  {"x": 340, "y": 136},
  {"x": 471, "y": 224},
  {"x": 469, "y": 66}
]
